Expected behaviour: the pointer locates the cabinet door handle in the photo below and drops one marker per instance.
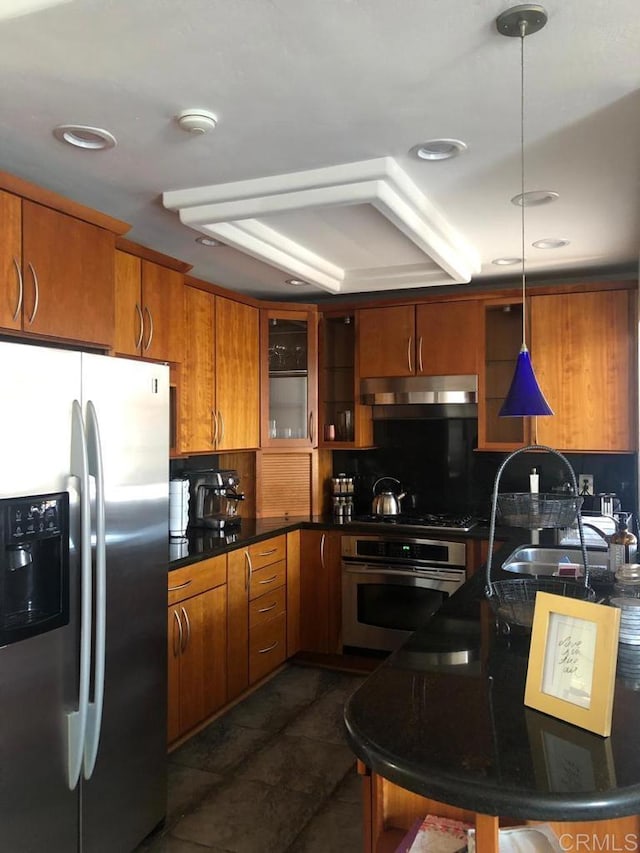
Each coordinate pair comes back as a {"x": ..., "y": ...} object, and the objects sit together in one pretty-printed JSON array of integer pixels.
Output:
[
  {"x": 214, "y": 422},
  {"x": 141, "y": 318},
  {"x": 322, "y": 541},
  {"x": 409, "y": 340},
  {"x": 311, "y": 426},
  {"x": 146, "y": 346},
  {"x": 248, "y": 569},
  {"x": 268, "y": 580},
  {"x": 187, "y": 636},
  {"x": 221, "y": 437},
  {"x": 177, "y": 645},
  {"x": 181, "y": 585},
  {"x": 420, "y": 354},
  {"x": 36, "y": 290},
  {"x": 268, "y": 648},
  {"x": 267, "y": 609},
  {"x": 267, "y": 553},
  {"x": 20, "y": 290}
]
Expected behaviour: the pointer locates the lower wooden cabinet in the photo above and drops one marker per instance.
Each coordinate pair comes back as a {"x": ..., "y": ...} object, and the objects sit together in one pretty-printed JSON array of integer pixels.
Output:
[
  {"x": 256, "y": 615},
  {"x": 197, "y": 632},
  {"x": 320, "y": 592}
]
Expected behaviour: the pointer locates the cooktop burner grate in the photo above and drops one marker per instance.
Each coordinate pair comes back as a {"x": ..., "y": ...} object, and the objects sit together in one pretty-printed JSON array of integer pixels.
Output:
[{"x": 435, "y": 521}]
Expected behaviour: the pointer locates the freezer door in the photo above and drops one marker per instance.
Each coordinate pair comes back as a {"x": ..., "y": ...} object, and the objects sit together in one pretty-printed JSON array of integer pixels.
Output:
[
  {"x": 38, "y": 676},
  {"x": 125, "y": 797}
]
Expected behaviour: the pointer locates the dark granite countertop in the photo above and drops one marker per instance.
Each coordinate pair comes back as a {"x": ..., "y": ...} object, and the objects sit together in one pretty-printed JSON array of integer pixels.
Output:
[
  {"x": 201, "y": 543},
  {"x": 460, "y": 732}
]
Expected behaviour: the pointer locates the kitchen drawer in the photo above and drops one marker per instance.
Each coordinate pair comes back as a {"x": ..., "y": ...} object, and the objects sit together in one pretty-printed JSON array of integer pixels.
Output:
[
  {"x": 196, "y": 578},
  {"x": 267, "y": 607},
  {"x": 267, "y": 552},
  {"x": 267, "y": 579},
  {"x": 267, "y": 647}
]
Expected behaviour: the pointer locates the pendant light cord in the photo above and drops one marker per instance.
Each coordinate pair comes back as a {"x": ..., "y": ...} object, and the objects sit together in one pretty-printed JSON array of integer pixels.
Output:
[{"x": 523, "y": 29}]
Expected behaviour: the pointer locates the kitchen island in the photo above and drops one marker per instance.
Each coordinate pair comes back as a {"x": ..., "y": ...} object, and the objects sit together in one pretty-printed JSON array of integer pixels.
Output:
[{"x": 441, "y": 727}]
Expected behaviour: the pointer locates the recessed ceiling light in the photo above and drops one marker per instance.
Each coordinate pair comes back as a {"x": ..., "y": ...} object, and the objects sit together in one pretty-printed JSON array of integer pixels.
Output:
[
  {"x": 83, "y": 136},
  {"x": 296, "y": 282},
  {"x": 208, "y": 241},
  {"x": 439, "y": 149},
  {"x": 551, "y": 243},
  {"x": 506, "y": 262},
  {"x": 534, "y": 198}
]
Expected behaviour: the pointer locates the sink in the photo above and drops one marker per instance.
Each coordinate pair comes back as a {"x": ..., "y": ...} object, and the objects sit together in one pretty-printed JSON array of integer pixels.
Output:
[{"x": 535, "y": 561}]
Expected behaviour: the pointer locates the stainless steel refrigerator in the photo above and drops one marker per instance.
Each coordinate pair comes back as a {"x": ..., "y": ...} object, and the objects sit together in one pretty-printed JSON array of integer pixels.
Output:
[{"x": 84, "y": 450}]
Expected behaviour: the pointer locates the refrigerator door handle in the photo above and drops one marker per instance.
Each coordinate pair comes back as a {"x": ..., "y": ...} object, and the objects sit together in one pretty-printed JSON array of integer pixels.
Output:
[
  {"x": 94, "y": 716},
  {"x": 77, "y": 720}
]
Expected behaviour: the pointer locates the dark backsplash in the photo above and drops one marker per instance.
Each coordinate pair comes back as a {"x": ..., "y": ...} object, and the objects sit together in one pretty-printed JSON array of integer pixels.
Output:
[{"x": 440, "y": 471}]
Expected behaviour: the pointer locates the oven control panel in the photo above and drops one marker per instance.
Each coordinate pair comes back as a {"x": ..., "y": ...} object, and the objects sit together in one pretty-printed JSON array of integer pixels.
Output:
[{"x": 401, "y": 550}]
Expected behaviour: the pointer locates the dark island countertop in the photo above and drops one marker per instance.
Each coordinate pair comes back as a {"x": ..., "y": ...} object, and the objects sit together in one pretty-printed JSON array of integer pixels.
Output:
[{"x": 444, "y": 717}]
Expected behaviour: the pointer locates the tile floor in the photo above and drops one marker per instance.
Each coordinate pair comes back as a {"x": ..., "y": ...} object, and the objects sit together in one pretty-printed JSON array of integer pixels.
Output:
[{"x": 272, "y": 775}]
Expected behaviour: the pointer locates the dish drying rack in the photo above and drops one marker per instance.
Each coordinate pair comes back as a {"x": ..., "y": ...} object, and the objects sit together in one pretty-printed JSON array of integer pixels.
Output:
[{"x": 513, "y": 600}]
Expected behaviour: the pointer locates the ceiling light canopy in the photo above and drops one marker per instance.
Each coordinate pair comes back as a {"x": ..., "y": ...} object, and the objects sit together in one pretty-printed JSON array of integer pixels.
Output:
[
  {"x": 296, "y": 282},
  {"x": 524, "y": 397},
  {"x": 439, "y": 149},
  {"x": 209, "y": 242},
  {"x": 84, "y": 136}
]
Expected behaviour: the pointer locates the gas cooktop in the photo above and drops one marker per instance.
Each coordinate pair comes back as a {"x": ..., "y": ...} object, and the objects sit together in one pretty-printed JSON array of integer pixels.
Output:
[{"x": 446, "y": 522}]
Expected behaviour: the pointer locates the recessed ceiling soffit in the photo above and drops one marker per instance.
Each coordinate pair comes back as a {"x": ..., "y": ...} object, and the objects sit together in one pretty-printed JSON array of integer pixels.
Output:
[{"x": 351, "y": 228}]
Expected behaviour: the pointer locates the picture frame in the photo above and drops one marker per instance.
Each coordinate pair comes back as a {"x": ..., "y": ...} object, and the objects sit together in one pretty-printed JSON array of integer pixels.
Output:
[{"x": 572, "y": 661}]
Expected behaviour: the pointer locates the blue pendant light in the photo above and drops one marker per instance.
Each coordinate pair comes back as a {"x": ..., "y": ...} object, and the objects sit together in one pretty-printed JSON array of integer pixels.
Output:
[{"x": 524, "y": 398}]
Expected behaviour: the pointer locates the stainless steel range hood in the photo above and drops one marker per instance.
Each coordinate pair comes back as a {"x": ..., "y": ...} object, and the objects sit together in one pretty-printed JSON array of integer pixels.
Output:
[{"x": 421, "y": 397}]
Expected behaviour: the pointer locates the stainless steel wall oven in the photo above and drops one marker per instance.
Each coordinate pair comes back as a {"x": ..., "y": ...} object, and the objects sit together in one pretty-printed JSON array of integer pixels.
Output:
[{"x": 391, "y": 584}]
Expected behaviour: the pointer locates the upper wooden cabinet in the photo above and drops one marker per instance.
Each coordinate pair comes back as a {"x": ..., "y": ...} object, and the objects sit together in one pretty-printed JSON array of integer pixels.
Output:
[
  {"x": 583, "y": 347},
  {"x": 344, "y": 422},
  {"x": 237, "y": 350},
  {"x": 220, "y": 387},
  {"x": 501, "y": 339},
  {"x": 57, "y": 273},
  {"x": 289, "y": 379},
  {"x": 583, "y": 350},
  {"x": 430, "y": 339},
  {"x": 149, "y": 308}
]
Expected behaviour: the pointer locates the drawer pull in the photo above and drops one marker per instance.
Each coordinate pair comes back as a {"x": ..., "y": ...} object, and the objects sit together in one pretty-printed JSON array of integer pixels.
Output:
[
  {"x": 268, "y": 649},
  {"x": 269, "y": 580},
  {"x": 267, "y": 553},
  {"x": 267, "y": 609},
  {"x": 181, "y": 585}
]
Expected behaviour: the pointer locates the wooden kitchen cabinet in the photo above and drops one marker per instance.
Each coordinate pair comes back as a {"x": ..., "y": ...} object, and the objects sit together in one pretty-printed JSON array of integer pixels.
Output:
[
  {"x": 197, "y": 652},
  {"x": 256, "y": 616},
  {"x": 501, "y": 338},
  {"x": 57, "y": 273},
  {"x": 220, "y": 374},
  {"x": 583, "y": 346},
  {"x": 237, "y": 368},
  {"x": 290, "y": 484},
  {"x": 149, "y": 299},
  {"x": 344, "y": 422},
  {"x": 320, "y": 591},
  {"x": 428, "y": 339},
  {"x": 289, "y": 412}
]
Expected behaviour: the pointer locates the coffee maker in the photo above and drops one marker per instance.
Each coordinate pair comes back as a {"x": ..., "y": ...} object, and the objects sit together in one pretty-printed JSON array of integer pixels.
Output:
[{"x": 214, "y": 498}]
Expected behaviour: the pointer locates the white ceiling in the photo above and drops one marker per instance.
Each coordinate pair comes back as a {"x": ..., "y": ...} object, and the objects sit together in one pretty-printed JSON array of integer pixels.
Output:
[{"x": 301, "y": 85}]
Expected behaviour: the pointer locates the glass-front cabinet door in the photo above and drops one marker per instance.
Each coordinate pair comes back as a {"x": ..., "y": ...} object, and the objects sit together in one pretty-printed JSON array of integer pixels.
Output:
[{"x": 289, "y": 387}]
